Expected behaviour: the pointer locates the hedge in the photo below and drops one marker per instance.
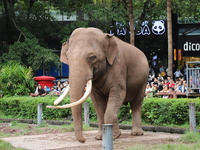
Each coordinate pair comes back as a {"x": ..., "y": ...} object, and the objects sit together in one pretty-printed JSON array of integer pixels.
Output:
[
  {"x": 26, "y": 107},
  {"x": 161, "y": 111},
  {"x": 157, "y": 111}
]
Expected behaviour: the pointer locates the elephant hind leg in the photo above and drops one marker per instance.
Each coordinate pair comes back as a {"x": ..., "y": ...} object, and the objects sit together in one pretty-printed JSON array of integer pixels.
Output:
[
  {"x": 137, "y": 131},
  {"x": 136, "y": 117}
]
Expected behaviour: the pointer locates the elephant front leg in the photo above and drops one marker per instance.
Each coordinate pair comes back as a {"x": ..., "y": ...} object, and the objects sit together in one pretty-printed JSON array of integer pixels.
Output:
[
  {"x": 111, "y": 117},
  {"x": 99, "y": 103},
  {"x": 115, "y": 101}
]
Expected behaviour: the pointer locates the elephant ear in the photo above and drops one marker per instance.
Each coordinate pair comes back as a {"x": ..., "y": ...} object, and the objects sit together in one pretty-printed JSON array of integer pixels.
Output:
[
  {"x": 111, "y": 48},
  {"x": 63, "y": 54}
]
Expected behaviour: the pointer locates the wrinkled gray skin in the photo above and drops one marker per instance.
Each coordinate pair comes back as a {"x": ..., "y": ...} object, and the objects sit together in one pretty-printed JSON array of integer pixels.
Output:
[{"x": 119, "y": 74}]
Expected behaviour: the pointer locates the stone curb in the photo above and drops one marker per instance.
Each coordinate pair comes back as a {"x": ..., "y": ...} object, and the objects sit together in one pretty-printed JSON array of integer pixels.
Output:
[{"x": 145, "y": 128}]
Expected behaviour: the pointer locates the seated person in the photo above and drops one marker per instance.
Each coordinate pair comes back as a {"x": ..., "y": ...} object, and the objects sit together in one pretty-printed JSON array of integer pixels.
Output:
[
  {"x": 180, "y": 87},
  {"x": 47, "y": 89},
  {"x": 165, "y": 90},
  {"x": 171, "y": 89},
  {"x": 41, "y": 92}
]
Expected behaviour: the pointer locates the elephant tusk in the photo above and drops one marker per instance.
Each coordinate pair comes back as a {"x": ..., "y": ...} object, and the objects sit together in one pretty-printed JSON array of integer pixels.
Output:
[
  {"x": 62, "y": 96},
  {"x": 80, "y": 101}
]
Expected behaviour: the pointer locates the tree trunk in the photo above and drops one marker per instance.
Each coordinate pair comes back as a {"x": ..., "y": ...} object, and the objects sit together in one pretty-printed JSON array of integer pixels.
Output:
[
  {"x": 170, "y": 42},
  {"x": 7, "y": 23},
  {"x": 31, "y": 2},
  {"x": 8, "y": 6},
  {"x": 130, "y": 15}
]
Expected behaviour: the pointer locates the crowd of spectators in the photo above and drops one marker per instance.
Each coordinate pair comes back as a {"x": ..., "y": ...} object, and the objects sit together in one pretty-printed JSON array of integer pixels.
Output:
[
  {"x": 56, "y": 90},
  {"x": 160, "y": 82}
]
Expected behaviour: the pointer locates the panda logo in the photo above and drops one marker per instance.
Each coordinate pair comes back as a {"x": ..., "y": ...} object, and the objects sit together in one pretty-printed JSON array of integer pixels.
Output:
[{"x": 158, "y": 27}]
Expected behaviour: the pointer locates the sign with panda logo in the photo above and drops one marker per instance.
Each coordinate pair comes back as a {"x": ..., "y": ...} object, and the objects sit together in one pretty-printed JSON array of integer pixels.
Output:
[{"x": 156, "y": 28}]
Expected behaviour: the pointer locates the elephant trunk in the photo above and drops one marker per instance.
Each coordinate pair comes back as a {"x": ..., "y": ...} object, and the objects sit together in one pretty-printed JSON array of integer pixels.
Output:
[
  {"x": 78, "y": 95},
  {"x": 75, "y": 93},
  {"x": 77, "y": 89},
  {"x": 77, "y": 118}
]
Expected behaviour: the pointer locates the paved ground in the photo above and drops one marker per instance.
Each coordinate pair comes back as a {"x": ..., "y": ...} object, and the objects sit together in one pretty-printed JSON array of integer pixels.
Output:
[{"x": 67, "y": 141}]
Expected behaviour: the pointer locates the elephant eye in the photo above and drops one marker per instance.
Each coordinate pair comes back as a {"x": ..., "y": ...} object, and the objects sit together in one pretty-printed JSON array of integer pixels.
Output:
[{"x": 92, "y": 58}]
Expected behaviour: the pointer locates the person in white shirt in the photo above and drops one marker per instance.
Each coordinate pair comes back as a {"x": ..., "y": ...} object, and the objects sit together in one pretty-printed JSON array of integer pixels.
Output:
[{"x": 177, "y": 74}]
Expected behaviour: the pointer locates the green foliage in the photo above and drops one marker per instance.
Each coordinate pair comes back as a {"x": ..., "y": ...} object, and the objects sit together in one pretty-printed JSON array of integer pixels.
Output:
[
  {"x": 15, "y": 79},
  {"x": 30, "y": 53},
  {"x": 156, "y": 111},
  {"x": 69, "y": 28},
  {"x": 124, "y": 113},
  {"x": 183, "y": 9},
  {"x": 26, "y": 107},
  {"x": 159, "y": 111}
]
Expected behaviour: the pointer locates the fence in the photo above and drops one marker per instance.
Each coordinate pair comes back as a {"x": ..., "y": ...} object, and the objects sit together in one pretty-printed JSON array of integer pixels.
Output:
[{"x": 193, "y": 79}]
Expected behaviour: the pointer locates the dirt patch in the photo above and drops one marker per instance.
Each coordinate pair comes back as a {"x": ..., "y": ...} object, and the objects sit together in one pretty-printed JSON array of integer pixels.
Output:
[{"x": 57, "y": 139}]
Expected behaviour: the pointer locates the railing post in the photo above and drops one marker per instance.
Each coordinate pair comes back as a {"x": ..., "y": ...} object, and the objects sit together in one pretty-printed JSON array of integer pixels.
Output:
[
  {"x": 39, "y": 114},
  {"x": 86, "y": 113},
  {"x": 107, "y": 137},
  {"x": 192, "y": 117}
]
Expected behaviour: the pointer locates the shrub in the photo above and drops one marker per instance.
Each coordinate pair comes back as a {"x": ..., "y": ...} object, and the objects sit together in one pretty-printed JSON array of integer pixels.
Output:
[
  {"x": 15, "y": 79},
  {"x": 156, "y": 111},
  {"x": 25, "y": 107},
  {"x": 168, "y": 111}
]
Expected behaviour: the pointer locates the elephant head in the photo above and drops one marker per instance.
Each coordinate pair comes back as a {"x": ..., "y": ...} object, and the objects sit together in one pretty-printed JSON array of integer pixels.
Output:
[{"x": 89, "y": 54}]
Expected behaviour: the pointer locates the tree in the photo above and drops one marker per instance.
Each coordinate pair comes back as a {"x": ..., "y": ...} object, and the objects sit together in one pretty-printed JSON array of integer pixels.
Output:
[
  {"x": 22, "y": 18},
  {"x": 125, "y": 11},
  {"x": 30, "y": 53},
  {"x": 28, "y": 26},
  {"x": 169, "y": 35},
  {"x": 131, "y": 20}
]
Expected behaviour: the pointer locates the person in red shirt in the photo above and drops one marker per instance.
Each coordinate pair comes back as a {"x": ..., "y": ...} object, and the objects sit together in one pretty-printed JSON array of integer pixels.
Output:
[{"x": 171, "y": 83}]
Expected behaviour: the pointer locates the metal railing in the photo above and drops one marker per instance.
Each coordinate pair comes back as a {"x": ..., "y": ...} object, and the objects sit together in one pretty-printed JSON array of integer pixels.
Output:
[{"x": 193, "y": 78}]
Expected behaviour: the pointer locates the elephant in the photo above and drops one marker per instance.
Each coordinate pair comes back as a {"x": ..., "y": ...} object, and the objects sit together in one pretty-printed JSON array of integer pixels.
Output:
[{"x": 115, "y": 72}]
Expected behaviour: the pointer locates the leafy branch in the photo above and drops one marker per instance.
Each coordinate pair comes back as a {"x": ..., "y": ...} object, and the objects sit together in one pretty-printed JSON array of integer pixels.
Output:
[{"x": 19, "y": 31}]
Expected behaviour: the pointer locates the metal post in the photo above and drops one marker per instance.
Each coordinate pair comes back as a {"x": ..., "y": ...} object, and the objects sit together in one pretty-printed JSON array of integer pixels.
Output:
[
  {"x": 192, "y": 117},
  {"x": 107, "y": 137},
  {"x": 86, "y": 113},
  {"x": 39, "y": 114}
]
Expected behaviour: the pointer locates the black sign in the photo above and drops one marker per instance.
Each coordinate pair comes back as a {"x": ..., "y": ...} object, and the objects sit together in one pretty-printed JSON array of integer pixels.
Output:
[{"x": 190, "y": 44}]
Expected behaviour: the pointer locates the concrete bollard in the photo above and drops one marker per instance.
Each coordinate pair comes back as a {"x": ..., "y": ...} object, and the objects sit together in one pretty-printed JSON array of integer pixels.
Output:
[
  {"x": 39, "y": 114},
  {"x": 107, "y": 137},
  {"x": 192, "y": 117},
  {"x": 86, "y": 113}
]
